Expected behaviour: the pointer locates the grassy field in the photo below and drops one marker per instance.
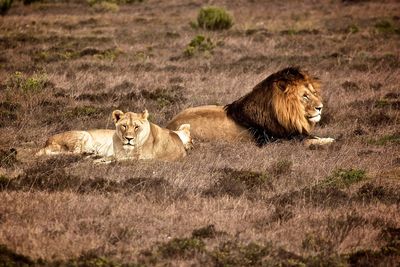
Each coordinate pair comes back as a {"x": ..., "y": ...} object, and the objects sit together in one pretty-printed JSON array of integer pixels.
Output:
[{"x": 67, "y": 65}]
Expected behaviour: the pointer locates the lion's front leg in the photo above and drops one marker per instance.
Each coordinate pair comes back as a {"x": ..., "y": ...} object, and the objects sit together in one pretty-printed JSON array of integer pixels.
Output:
[{"x": 318, "y": 141}]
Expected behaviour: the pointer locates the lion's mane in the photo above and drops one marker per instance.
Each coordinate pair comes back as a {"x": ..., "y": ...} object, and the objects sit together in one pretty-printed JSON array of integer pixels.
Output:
[{"x": 272, "y": 109}]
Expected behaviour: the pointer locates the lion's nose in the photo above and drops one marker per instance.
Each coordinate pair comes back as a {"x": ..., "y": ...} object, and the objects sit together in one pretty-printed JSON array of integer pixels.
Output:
[{"x": 319, "y": 108}]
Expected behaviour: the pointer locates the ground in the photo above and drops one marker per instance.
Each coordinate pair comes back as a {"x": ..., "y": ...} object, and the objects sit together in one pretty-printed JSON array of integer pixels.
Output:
[{"x": 66, "y": 65}]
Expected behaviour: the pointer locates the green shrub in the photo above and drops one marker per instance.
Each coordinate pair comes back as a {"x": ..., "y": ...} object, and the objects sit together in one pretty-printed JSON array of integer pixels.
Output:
[
  {"x": 386, "y": 139},
  {"x": 385, "y": 26},
  {"x": 214, "y": 18},
  {"x": 353, "y": 28},
  {"x": 106, "y": 7},
  {"x": 5, "y": 5},
  {"x": 199, "y": 44},
  {"x": 181, "y": 247},
  {"x": 343, "y": 178},
  {"x": 116, "y": 2},
  {"x": 30, "y": 84}
]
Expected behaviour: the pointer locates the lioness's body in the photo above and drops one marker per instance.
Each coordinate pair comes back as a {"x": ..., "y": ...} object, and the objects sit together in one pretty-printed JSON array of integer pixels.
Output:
[
  {"x": 160, "y": 143},
  {"x": 285, "y": 105},
  {"x": 98, "y": 142},
  {"x": 133, "y": 138}
]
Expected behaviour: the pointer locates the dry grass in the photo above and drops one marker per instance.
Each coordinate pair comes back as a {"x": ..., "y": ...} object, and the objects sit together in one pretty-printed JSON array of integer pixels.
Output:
[{"x": 64, "y": 66}]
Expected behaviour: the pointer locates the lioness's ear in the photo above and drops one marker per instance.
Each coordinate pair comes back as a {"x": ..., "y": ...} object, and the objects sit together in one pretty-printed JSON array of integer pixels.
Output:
[
  {"x": 116, "y": 115},
  {"x": 145, "y": 114}
]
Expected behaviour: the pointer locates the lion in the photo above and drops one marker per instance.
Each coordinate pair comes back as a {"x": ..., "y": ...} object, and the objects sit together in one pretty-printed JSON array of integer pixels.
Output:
[
  {"x": 285, "y": 105},
  {"x": 134, "y": 137}
]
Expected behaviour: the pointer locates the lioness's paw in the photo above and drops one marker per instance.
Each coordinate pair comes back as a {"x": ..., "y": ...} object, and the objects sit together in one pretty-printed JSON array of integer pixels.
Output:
[{"x": 102, "y": 161}]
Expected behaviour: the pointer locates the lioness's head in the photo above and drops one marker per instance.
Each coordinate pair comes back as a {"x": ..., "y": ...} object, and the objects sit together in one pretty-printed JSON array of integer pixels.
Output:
[
  {"x": 132, "y": 129},
  {"x": 286, "y": 103}
]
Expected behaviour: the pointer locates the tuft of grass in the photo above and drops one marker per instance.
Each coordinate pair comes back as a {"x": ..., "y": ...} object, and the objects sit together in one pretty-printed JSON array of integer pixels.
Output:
[
  {"x": 8, "y": 112},
  {"x": 350, "y": 86},
  {"x": 316, "y": 243},
  {"x": 181, "y": 248},
  {"x": 27, "y": 84},
  {"x": 8, "y": 158},
  {"x": 105, "y": 6},
  {"x": 214, "y": 18},
  {"x": 235, "y": 183},
  {"x": 371, "y": 193},
  {"x": 386, "y": 139},
  {"x": 10, "y": 258},
  {"x": 353, "y": 28},
  {"x": 28, "y": 2},
  {"x": 5, "y": 5},
  {"x": 199, "y": 44},
  {"x": 385, "y": 26},
  {"x": 388, "y": 255},
  {"x": 282, "y": 167},
  {"x": 83, "y": 111},
  {"x": 4, "y": 182},
  {"x": 208, "y": 231},
  {"x": 166, "y": 96},
  {"x": 344, "y": 178},
  {"x": 109, "y": 54},
  {"x": 233, "y": 254}
]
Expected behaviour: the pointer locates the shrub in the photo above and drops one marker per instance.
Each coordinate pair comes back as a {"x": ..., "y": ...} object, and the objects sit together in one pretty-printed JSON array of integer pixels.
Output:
[
  {"x": 31, "y": 84},
  {"x": 342, "y": 178},
  {"x": 214, "y": 18},
  {"x": 181, "y": 247},
  {"x": 106, "y": 7},
  {"x": 385, "y": 26},
  {"x": 5, "y": 5},
  {"x": 8, "y": 157},
  {"x": 199, "y": 44}
]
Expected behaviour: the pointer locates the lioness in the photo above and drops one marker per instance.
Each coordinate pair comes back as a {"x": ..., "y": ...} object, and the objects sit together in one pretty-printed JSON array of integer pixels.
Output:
[
  {"x": 134, "y": 137},
  {"x": 286, "y": 105},
  {"x": 137, "y": 138}
]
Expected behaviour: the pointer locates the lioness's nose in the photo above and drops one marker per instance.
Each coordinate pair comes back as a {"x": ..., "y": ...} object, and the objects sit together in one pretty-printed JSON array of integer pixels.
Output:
[
  {"x": 129, "y": 138},
  {"x": 319, "y": 108}
]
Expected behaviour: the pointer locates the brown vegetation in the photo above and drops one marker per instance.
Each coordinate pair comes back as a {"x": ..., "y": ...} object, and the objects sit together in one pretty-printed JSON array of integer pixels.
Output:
[{"x": 65, "y": 65}]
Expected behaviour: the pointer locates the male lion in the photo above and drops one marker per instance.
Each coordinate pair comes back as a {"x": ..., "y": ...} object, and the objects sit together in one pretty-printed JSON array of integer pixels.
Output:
[
  {"x": 134, "y": 137},
  {"x": 286, "y": 105}
]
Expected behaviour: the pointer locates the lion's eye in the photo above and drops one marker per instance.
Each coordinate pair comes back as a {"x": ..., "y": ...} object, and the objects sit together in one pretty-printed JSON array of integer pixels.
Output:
[
  {"x": 305, "y": 97},
  {"x": 123, "y": 127},
  {"x": 137, "y": 127}
]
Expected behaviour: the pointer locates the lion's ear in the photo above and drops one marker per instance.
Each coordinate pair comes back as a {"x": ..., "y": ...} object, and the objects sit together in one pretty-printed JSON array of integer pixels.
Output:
[
  {"x": 116, "y": 115},
  {"x": 145, "y": 114},
  {"x": 282, "y": 85},
  {"x": 184, "y": 127}
]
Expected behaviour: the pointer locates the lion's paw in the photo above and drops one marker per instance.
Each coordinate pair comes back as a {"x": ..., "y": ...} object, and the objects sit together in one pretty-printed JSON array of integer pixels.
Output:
[{"x": 319, "y": 141}]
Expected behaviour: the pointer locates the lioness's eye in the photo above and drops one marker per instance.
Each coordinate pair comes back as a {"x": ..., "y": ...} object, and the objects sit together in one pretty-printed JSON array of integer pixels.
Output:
[
  {"x": 136, "y": 128},
  {"x": 124, "y": 127}
]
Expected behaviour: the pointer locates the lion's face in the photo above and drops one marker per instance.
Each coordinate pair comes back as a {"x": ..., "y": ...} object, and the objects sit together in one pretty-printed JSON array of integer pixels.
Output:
[
  {"x": 310, "y": 98},
  {"x": 132, "y": 128}
]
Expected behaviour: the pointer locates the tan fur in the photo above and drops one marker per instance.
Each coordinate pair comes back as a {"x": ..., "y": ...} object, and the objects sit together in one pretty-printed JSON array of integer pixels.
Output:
[
  {"x": 96, "y": 142},
  {"x": 287, "y": 104},
  {"x": 134, "y": 137},
  {"x": 137, "y": 138}
]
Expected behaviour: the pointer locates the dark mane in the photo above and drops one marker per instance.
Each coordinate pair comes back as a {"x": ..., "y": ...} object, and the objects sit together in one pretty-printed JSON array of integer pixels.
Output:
[{"x": 255, "y": 111}]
